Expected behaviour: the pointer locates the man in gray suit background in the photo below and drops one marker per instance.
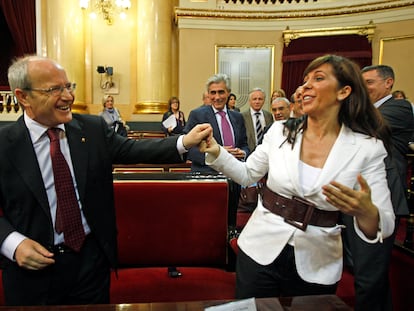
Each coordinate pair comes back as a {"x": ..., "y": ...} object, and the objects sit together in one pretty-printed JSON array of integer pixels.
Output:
[{"x": 256, "y": 119}]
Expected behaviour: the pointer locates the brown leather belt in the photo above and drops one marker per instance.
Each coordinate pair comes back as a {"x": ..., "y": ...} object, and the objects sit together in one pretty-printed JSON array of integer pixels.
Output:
[{"x": 297, "y": 211}]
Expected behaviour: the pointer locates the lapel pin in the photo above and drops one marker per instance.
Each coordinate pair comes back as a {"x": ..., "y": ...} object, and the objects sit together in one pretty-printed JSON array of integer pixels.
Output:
[{"x": 83, "y": 139}]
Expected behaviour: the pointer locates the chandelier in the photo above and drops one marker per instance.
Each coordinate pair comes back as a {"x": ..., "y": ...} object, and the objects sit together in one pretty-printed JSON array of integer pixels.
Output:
[{"x": 106, "y": 8}]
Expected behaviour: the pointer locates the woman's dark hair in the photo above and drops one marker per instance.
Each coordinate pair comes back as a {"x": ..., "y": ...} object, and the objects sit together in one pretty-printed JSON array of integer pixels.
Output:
[
  {"x": 356, "y": 112},
  {"x": 170, "y": 101},
  {"x": 228, "y": 99},
  {"x": 399, "y": 92}
]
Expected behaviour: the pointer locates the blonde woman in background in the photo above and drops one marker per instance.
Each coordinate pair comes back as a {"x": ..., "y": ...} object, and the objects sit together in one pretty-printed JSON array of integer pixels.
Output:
[{"x": 112, "y": 116}]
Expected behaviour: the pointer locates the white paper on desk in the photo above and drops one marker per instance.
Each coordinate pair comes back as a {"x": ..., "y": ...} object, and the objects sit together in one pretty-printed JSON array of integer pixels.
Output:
[
  {"x": 239, "y": 305},
  {"x": 171, "y": 121}
]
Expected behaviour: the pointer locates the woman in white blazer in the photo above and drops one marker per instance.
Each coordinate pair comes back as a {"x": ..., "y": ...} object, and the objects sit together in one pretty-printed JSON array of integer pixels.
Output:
[{"x": 333, "y": 158}]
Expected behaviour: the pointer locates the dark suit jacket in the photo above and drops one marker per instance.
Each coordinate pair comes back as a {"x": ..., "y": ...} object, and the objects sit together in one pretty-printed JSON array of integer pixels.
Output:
[
  {"x": 205, "y": 114},
  {"x": 251, "y": 128},
  {"x": 399, "y": 115},
  {"x": 370, "y": 262},
  {"x": 94, "y": 148}
]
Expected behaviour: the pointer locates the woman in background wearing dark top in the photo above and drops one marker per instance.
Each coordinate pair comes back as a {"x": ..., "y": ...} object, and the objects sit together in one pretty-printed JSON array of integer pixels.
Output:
[
  {"x": 174, "y": 109},
  {"x": 231, "y": 102}
]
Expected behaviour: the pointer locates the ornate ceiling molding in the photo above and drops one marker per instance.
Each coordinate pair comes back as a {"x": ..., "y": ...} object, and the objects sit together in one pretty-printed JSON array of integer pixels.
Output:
[
  {"x": 286, "y": 14},
  {"x": 367, "y": 31}
]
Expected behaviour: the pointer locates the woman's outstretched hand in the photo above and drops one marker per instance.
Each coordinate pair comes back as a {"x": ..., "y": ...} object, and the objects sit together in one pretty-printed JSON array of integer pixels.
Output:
[{"x": 356, "y": 203}]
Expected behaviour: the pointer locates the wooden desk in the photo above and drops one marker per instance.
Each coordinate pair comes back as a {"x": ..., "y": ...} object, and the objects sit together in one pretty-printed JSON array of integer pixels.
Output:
[{"x": 304, "y": 303}]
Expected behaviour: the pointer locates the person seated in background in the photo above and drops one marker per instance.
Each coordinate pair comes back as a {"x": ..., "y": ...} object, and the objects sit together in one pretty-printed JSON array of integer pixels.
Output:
[
  {"x": 231, "y": 102},
  {"x": 228, "y": 126},
  {"x": 256, "y": 118},
  {"x": 112, "y": 116},
  {"x": 331, "y": 162},
  {"x": 173, "y": 110},
  {"x": 280, "y": 108}
]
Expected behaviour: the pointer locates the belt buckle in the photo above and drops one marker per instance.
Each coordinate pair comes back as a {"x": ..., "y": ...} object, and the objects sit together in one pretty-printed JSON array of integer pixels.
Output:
[{"x": 310, "y": 207}]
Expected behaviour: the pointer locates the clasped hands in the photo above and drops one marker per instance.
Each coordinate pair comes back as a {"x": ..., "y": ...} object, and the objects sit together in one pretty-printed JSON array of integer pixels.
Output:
[{"x": 202, "y": 136}]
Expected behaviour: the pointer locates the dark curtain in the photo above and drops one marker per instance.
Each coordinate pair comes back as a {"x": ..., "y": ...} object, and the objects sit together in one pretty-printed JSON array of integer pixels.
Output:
[
  {"x": 18, "y": 33},
  {"x": 302, "y": 51}
]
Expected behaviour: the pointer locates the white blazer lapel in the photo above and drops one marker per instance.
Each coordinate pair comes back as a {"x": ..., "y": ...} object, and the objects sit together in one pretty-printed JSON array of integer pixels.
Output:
[
  {"x": 341, "y": 153},
  {"x": 291, "y": 158}
]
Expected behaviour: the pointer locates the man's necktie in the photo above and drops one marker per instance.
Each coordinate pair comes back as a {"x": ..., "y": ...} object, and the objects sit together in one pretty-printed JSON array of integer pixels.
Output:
[
  {"x": 259, "y": 129},
  {"x": 226, "y": 130},
  {"x": 68, "y": 216}
]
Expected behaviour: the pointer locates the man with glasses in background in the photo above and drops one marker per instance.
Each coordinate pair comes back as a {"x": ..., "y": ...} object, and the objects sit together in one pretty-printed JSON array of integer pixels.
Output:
[{"x": 280, "y": 108}]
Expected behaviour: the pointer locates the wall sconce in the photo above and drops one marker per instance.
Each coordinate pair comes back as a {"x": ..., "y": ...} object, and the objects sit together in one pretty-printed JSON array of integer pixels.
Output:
[
  {"x": 106, "y": 83},
  {"x": 107, "y": 8}
]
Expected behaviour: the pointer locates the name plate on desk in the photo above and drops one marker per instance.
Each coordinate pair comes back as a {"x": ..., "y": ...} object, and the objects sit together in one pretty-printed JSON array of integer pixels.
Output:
[{"x": 239, "y": 305}]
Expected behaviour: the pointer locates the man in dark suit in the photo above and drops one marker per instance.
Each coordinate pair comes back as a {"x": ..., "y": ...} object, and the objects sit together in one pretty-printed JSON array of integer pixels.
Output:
[
  {"x": 218, "y": 90},
  {"x": 398, "y": 115},
  {"x": 38, "y": 267},
  {"x": 370, "y": 262},
  {"x": 256, "y": 101}
]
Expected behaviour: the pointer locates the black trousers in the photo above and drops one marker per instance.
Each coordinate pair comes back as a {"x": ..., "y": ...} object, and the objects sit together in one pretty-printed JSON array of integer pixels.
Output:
[
  {"x": 278, "y": 279},
  {"x": 370, "y": 264},
  {"x": 75, "y": 278}
]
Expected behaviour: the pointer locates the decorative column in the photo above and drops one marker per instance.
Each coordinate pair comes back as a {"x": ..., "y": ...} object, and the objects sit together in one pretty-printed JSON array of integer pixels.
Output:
[
  {"x": 154, "y": 55},
  {"x": 62, "y": 39}
]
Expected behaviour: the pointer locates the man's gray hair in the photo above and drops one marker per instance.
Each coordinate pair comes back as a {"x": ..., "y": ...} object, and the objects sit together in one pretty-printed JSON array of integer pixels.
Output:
[
  {"x": 218, "y": 78},
  {"x": 18, "y": 72},
  {"x": 258, "y": 89},
  {"x": 281, "y": 99}
]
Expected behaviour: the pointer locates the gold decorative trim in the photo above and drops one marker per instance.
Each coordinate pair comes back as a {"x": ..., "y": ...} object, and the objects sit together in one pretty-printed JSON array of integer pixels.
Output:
[
  {"x": 368, "y": 31},
  {"x": 383, "y": 40},
  {"x": 288, "y": 14},
  {"x": 80, "y": 108},
  {"x": 150, "y": 108}
]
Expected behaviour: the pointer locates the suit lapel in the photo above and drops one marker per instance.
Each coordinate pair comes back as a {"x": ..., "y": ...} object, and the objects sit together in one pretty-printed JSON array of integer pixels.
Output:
[
  {"x": 78, "y": 145},
  {"x": 23, "y": 157},
  {"x": 291, "y": 159},
  {"x": 211, "y": 118},
  {"x": 235, "y": 126},
  {"x": 248, "y": 123},
  {"x": 341, "y": 153}
]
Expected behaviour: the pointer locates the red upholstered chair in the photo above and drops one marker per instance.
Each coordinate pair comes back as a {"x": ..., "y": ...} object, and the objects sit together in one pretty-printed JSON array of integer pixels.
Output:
[{"x": 175, "y": 221}]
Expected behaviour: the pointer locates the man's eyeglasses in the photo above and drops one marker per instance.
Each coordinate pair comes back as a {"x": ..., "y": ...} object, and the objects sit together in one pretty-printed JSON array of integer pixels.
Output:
[{"x": 55, "y": 90}]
